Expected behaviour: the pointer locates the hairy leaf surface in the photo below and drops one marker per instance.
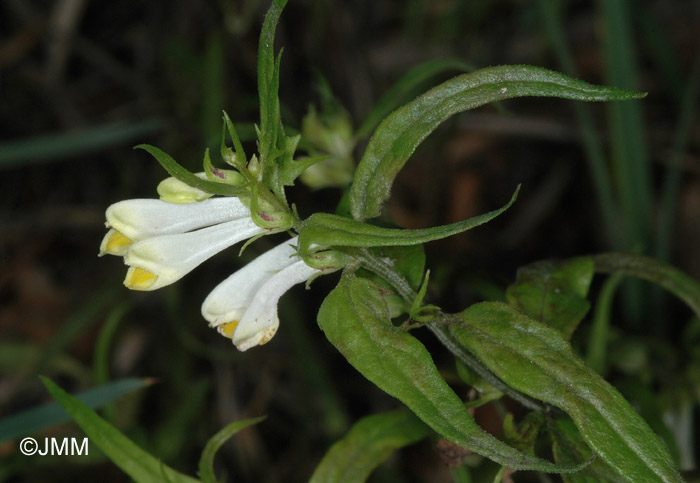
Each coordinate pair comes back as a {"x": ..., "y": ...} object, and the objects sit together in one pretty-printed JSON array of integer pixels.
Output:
[{"x": 536, "y": 360}]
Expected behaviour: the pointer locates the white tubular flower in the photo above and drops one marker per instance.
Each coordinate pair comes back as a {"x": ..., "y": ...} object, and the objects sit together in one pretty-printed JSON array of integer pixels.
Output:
[
  {"x": 244, "y": 306},
  {"x": 135, "y": 220},
  {"x": 161, "y": 260}
]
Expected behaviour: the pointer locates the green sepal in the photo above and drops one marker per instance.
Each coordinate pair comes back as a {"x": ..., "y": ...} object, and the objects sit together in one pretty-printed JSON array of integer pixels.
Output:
[
  {"x": 178, "y": 172},
  {"x": 397, "y": 137},
  {"x": 536, "y": 360},
  {"x": 553, "y": 292},
  {"x": 217, "y": 175},
  {"x": 355, "y": 319},
  {"x": 236, "y": 157},
  {"x": 368, "y": 443},
  {"x": 325, "y": 229}
]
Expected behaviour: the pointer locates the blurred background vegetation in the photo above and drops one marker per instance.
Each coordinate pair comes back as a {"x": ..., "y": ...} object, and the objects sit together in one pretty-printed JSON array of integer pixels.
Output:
[{"x": 81, "y": 82}]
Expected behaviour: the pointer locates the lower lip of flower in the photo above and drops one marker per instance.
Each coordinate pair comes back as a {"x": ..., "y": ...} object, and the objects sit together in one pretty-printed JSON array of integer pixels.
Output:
[
  {"x": 139, "y": 279},
  {"x": 227, "y": 329}
]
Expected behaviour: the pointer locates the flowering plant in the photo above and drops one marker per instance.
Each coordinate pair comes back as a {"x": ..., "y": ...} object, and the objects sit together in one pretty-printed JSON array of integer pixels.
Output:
[{"x": 517, "y": 348}]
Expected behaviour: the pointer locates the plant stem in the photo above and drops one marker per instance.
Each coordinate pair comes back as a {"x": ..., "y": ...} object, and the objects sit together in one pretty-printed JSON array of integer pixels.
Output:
[{"x": 405, "y": 291}]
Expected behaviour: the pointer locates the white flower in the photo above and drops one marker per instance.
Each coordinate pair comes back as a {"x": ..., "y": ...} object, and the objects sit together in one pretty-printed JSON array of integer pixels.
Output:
[
  {"x": 162, "y": 242},
  {"x": 244, "y": 306}
]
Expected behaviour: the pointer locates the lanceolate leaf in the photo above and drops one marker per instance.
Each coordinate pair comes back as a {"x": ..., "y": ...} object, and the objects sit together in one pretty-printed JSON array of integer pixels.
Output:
[
  {"x": 398, "y": 135},
  {"x": 332, "y": 230},
  {"x": 370, "y": 441},
  {"x": 536, "y": 360},
  {"x": 554, "y": 292},
  {"x": 178, "y": 172},
  {"x": 268, "y": 81},
  {"x": 134, "y": 461},
  {"x": 407, "y": 86},
  {"x": 355, "y": 320}
]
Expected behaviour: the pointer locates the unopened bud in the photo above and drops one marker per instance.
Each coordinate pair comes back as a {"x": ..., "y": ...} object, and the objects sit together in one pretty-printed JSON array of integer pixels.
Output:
[{"x": 173, "y": 190}]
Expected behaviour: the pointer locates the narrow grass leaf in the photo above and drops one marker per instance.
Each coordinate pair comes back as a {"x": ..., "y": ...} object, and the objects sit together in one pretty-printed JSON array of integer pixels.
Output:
[
  {"x": 206, "y": 462},
  {"x": 52, "y": 147},
  {"x": 659, "y": 272},
  {"x": 40, "y": 417},
  {"x": 134, "y": 461}
]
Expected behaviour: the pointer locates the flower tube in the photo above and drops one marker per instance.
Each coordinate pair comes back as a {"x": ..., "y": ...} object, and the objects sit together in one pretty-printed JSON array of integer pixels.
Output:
[
  {"x": 161, "y": 260},
  {"x": 244, "y": 306},
  {"x": 134, "y": 220}
]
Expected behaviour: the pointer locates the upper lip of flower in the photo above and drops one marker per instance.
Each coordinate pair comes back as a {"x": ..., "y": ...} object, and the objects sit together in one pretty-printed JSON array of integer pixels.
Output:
[
  {"x": 244, "y": 306},
  {"x": 139, "y": 219}
]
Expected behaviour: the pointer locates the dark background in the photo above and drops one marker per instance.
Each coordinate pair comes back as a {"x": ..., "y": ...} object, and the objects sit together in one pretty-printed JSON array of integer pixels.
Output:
[{"x": 82, "y": 82}]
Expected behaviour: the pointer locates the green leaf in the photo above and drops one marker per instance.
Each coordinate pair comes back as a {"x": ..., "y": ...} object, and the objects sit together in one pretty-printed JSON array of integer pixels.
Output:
[
  {"x": 326, "y": 229},
  {"x": 134, "y": 461},
  {"x": 554, "y": 292},
  {"x": 180, "y": 173},
  {"x": 268, "y": 81},
  {"x": 536, "y": 360},
  {"x": 409, "y": 261},
  {"x": 368, "y": 443},
  {"x": 206, "y": 462},
  {"x": 568, "y": 447},
  {"x": 406, "y": 87},
  {"x": 661, "y": 273},
  {"x": 398, "y": 135},
  {"x": 46, "y": 415},
  {"x": 524, "y": 435},
  {"x": 355, "y": 320}
]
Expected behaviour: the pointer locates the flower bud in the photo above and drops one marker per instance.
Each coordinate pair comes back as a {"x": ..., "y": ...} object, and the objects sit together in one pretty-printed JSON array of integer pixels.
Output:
[
  {"x": 326, "y": 261},
  {"x": 173, "y": 190}
]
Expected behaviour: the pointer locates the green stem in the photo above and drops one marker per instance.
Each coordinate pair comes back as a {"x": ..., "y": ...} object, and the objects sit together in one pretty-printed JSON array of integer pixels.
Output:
[{"x": 405, "y": 291}]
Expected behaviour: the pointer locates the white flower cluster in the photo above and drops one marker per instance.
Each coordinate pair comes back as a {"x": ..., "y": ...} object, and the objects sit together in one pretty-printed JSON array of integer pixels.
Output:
[{"x": 162, "y": 241}]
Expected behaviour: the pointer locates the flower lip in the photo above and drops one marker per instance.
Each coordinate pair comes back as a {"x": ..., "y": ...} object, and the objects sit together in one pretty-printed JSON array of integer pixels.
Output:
[
  {"x": 139, "y": 219},
  {"x": 115, "y": 243}
]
